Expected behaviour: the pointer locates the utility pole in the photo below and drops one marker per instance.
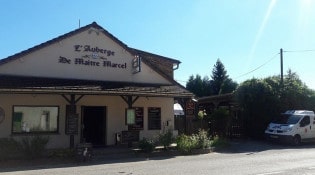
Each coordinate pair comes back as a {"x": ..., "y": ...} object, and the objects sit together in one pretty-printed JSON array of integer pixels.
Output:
[{"x": 281, "y": 65}]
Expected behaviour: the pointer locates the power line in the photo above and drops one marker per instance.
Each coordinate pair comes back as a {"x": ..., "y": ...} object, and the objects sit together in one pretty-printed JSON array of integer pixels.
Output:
[
  {"x": 249, "y": 71},
  {"x": 273, "y": 57},
  {"x": 258, "y": 66},
  {"x": 310, "y": 50}
]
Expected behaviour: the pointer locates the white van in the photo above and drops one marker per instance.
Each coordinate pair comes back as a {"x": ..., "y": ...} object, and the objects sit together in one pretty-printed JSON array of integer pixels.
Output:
[{"x": 292, "y": 126}]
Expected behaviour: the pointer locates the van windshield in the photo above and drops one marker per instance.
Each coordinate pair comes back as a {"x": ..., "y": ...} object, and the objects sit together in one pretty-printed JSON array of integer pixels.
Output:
[{"x": 287, "y": 119}]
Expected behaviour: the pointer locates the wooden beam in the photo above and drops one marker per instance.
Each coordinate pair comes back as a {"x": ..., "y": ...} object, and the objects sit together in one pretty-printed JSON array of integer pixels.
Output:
[
  {"x": 78, "y": 99},
  {"x": 66, "y": 98},
  {"x": 129, "y": 100},
  {"x": 72, "y": 100}
]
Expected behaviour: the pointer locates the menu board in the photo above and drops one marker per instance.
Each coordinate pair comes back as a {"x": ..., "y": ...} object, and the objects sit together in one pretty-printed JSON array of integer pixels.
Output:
[
  {"x": 129, "y": 136},
  {"x": 138, "y": 119},
  {"x": 130, "y": 116},
  {"x": 190, "y": 107},
  {"x": 72, "y": 124},
  {"x": 72, "y": 120},
  {"x": 154, "y": 118}
]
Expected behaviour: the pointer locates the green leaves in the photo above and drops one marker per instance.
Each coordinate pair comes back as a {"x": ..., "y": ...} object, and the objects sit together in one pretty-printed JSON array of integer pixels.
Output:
[
  {"x": 263, "y": 99},
  {"x": 219, "y": 84}
]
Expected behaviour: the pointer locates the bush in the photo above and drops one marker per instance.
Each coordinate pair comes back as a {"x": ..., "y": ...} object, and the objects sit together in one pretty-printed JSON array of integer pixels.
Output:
[
  {"x": 186, "y": 144},
  {"x": 9, "y": 148},
  {"x": 146, "y": 145},
  {"x": 34, "y": 146},
  {"x": 203, "y": 141},
  {"x": 218, "y": 142},
  {"x": 220, "y": 121},
  {"x": 200, "y": 140},
  {"x": 166, "y": 139}
]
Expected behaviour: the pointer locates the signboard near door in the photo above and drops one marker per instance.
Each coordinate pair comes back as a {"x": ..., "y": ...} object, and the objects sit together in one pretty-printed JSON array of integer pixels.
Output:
[{"x": 138, "y": 120}]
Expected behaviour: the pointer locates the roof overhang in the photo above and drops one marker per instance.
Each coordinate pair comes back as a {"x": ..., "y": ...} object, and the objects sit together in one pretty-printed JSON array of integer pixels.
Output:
[
  {"x": 222, "y": 97},
  {"x": 34, "y": 85}
]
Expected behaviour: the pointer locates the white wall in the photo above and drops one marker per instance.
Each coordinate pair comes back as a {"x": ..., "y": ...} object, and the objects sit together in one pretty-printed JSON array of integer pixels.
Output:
[
  {"x": 115, "y": 114},
  {"x": 45, "y": 62},
  {"x": 8, "y": 101}
]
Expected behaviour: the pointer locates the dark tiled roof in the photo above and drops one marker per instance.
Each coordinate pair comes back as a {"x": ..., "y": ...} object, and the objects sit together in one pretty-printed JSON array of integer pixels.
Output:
[
  {"x": 8, "y": 81},
  {"x": 31, "y": 85},
  {"x": 145, "y": 54},
  {"x": 215, "y": 98}
]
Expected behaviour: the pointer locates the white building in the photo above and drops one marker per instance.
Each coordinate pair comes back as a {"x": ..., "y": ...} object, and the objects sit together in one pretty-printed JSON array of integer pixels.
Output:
[{"x": 77, "y": 88}]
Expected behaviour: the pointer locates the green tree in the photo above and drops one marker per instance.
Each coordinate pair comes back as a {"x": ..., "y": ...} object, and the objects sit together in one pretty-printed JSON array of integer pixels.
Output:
[
  {"x": 259, "y": 103},
  {"x": 228, "y": 86},
  {"x": 263, "y": 99},
  {"x": 206, "y": 86},
  {"x": 221, "y": 83},
  {"x": 195, "y": 85},
  {"x": 221, "y": 120},
  {"x": 295, "y": 94}
]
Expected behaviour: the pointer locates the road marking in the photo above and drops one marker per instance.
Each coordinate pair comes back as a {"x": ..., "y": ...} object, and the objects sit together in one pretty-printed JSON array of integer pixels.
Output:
[
  {"x": 271, "y": 173},
  {"x": 311, "y": 168}
]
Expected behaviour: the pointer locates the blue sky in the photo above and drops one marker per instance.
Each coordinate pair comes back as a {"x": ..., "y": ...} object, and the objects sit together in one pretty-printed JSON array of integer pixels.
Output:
[{"x": 243, "y": 34}]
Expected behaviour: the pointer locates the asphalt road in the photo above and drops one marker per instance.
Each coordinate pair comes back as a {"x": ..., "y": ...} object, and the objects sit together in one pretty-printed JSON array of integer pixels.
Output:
[{"x": 242, "y": 157}]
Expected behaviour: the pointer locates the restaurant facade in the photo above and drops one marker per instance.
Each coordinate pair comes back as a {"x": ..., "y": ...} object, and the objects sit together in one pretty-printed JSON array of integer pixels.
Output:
[{"x": 87, "y": 86}]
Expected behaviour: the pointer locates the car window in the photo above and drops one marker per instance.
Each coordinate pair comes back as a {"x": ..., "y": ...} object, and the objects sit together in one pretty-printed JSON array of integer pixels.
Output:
[{"x": 305, "y": 121}]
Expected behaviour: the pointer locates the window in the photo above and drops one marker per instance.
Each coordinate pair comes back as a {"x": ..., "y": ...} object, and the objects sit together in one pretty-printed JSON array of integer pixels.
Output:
[
  {"x": 154, "y": 118},
  {"x": 305, "y": 121},
  {"x": 30, "y": 119}
]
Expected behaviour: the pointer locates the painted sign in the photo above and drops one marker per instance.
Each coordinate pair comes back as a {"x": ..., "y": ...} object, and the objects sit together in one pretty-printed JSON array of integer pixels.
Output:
[
  {"x": 72, "y": 124},
  {"x": 88, "y": 48},
  {"x": 93, "y": 57},
  {"x": 190, "y": 107},
  {"x": 136, "y": 64},
  {"x": 138, "y": 125}
]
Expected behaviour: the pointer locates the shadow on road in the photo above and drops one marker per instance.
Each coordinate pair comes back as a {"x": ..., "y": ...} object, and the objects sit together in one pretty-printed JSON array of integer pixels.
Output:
[
  {"x": 49, "y": 163},
  {"x": 253, "y": 146},
  {"x": 234, "y": 147}
]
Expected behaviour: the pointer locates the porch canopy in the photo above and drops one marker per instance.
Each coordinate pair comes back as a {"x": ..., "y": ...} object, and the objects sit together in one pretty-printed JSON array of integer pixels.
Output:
[{"x": 36, "y": 85}]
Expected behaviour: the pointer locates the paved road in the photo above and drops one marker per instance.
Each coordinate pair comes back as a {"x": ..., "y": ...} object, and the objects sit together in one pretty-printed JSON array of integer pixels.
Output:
[{"x": 243, "y": 157}]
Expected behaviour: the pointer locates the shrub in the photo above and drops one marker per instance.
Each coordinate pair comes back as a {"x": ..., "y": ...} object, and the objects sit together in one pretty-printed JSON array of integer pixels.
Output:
[
  {"x": 218, "y": 142},
  {"x": 146, "y": 145},
  {"x": 186, "y": 144},
  {"x": 34, "y": 146},
  {"x": 200, "y": 140},
  {"x": 166, "y": 139},
  {"x": 203, "y": 141},
  {"x": 9, "y": 148},
  {"x": 220, "y": 121}
]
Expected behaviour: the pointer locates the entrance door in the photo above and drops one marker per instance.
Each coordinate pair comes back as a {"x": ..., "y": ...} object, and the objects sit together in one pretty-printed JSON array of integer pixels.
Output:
[{"x": 94, "y": 125}]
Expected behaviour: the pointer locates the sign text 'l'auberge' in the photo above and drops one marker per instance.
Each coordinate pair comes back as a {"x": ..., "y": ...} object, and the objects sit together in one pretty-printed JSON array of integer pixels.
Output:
[{"x": 97, "y": 58}]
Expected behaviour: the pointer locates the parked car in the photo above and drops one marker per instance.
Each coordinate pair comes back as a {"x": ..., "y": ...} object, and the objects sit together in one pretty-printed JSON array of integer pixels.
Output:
[{"x": 293, "y": 126}]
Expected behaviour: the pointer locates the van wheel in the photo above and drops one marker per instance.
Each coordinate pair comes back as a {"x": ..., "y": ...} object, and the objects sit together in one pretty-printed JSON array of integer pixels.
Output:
[{"x": 296, "y": 140}]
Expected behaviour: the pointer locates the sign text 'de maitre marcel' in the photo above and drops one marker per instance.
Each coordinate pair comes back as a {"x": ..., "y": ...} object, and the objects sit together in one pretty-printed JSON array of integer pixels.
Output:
[{"x": 94, "y": 57}]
